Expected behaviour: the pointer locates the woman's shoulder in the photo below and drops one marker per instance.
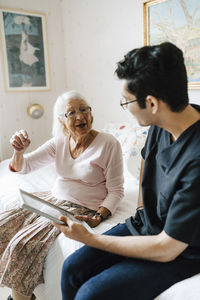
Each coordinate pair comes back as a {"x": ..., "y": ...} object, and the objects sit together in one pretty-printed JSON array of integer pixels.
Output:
[
  {"x": 60, "y": 139},
  {"x": 106, "y": 141},
  {"x": 107, "y": 137}
]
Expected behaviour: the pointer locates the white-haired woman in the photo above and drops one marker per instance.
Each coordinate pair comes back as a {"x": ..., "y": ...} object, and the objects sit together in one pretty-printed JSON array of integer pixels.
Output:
[{"x": 90, "y": 180}]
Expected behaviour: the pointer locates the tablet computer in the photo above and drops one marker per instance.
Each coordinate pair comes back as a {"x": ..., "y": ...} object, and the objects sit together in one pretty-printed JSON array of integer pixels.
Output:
[{"x": 47, "y": 209}]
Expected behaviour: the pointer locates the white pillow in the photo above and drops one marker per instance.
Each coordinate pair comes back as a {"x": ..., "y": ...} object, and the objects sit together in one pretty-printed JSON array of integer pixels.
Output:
[{"x": 132, "y": 138}]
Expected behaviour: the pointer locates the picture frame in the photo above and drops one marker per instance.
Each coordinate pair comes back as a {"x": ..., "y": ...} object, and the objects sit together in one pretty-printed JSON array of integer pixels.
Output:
[
  {"x": 24, "y": 50},
  {"x": 176, "y": 21}
]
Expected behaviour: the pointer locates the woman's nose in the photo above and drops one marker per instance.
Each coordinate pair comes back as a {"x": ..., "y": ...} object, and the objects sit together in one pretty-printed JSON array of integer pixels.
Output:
[{"x": 79, "y": 115}]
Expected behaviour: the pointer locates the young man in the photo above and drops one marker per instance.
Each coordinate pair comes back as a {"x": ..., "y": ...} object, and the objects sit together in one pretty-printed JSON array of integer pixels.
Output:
[{"x": 160, "y": 245}]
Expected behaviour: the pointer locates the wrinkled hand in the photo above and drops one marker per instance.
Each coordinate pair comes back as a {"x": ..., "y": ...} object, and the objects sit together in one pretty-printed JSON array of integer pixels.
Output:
[
  {"x": 92, "y": 221},
  {"x": 20, "y": 141},
  {"x": 73, "y": 230}
]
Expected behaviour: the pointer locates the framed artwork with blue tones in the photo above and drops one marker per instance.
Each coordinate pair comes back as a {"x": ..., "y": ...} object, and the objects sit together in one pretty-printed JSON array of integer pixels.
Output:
[
  {"x": 176, "y": 21},
  {"x": 24, "y": 50}
]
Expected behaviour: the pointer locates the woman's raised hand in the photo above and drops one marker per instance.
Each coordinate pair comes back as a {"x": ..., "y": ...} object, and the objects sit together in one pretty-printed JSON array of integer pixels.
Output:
[{"x": 20, "y": 141}]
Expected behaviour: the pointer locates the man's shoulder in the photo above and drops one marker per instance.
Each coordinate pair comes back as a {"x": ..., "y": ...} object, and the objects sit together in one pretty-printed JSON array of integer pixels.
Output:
[
  {"x": 193, "y": 143},
  {"x": 155, "y": 132},
  {"x": 196, "y": 106}
]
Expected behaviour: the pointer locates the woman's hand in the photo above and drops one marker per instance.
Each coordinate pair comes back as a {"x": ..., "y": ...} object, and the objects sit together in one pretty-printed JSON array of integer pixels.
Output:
[
  {"x": 73, "y": 230},
  {"x": 20, "y": 141},
  {"x": 92, "y": 221}
]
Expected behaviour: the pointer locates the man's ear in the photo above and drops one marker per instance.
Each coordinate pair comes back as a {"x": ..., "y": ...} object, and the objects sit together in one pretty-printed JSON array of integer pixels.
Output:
[{"x": 152, "y": 103}]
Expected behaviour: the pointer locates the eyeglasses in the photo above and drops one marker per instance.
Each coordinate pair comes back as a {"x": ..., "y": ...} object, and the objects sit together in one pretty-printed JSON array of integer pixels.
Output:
[
  {"x": 124, "y": 105},
  {"x": 71, "y": 114}
]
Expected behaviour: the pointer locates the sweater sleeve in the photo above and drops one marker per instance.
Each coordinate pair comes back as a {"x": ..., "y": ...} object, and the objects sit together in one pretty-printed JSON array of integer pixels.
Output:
[
  {"x": 113, "y": 172},
  {"x": 39, "y": 158}
]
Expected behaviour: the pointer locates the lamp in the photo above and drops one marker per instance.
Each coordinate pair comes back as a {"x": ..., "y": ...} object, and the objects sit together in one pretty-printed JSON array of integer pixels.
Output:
[{"x": 35, "y": 111}]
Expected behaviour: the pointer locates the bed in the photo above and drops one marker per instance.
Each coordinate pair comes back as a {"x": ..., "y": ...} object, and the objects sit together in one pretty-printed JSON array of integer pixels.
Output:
[{"x": 131, "y": 138}]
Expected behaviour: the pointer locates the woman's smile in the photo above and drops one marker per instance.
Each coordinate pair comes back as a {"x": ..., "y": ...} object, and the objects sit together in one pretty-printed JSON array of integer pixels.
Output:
[{"x": 81, "y": 125}]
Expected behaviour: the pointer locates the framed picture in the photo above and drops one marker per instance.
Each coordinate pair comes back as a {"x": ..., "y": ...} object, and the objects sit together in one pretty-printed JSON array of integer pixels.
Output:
[
  {"x": 176, "y": 21},
  {"x": 24, "y": 50}
]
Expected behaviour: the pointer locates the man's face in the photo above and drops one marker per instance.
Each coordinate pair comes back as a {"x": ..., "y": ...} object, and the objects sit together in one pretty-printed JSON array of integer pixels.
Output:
[{"x": 142, "y": 115}]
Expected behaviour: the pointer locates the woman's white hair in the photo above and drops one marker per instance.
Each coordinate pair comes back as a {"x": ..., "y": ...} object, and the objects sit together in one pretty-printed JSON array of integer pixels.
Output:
[{"x": 60, "y": 108}]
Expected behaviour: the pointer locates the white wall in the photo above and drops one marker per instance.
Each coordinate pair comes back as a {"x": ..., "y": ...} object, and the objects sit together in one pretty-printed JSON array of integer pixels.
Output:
[
  {"x": 83, "y": 52},
  {"x": 97, "y": 35},
  {"x": 13, "y": 106}
]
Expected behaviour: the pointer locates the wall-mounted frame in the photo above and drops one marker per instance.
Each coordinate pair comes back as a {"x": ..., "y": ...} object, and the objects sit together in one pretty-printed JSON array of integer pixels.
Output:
[
  {"x": 24, "y": 50},
  {"x": 177, "y": 21}
]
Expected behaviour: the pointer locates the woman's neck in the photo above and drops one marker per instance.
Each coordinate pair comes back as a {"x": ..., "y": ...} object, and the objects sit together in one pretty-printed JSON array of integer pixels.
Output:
[
  {"x": 80, "y": 144},
  {"x": 81, "y": 140}
]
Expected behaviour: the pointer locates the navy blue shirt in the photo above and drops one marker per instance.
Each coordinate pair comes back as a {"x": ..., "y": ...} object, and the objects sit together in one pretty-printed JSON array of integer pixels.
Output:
[{"x": 171, "y": 188}]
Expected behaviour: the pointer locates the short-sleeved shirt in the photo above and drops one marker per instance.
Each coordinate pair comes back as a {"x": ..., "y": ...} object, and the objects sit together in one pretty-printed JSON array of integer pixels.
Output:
[{"x": 171, "y": 188}]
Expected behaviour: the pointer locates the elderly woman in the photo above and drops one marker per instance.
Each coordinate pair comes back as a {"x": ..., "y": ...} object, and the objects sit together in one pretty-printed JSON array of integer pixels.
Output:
[{"x": 89, "y": 182}]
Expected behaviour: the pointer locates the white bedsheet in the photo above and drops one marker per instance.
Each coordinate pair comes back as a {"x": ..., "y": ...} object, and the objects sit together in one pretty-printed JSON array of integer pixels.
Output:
[{"x": 42, "y": 180}]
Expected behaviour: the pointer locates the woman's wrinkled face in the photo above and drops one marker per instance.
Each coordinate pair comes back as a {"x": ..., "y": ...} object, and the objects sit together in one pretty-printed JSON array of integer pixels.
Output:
[{"x": 78, "y": 118}]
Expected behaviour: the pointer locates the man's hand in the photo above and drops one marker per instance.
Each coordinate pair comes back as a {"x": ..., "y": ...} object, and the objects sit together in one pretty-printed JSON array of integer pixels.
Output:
[
  {"x": 92, "y": 221},
  {"x": 73, "y": 230}
]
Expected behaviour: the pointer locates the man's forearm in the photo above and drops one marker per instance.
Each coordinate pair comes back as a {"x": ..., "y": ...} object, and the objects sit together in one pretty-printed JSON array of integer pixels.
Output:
[
  {"x": 132, "y": 246},
  {"x": 160, "y": 247},
  {"x": 153, "y": 248}
]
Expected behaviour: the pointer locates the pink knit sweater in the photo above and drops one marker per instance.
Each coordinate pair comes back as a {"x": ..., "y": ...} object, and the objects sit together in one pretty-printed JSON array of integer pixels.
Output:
[{"x": 93, "y": 179}]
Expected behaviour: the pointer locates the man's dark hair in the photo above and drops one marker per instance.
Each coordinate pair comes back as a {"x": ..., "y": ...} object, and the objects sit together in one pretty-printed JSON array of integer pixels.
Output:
[{"x": 158, "y": 71}]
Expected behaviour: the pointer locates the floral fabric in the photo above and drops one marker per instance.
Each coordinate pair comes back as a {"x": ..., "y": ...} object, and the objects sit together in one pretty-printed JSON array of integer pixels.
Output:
[
  {"x": 132, "y": 138},
  {"x": 25, "y": 241}
]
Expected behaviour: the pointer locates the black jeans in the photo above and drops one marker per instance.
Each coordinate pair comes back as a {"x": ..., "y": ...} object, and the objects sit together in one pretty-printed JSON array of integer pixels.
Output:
[{"x": 92, "y": 274}]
